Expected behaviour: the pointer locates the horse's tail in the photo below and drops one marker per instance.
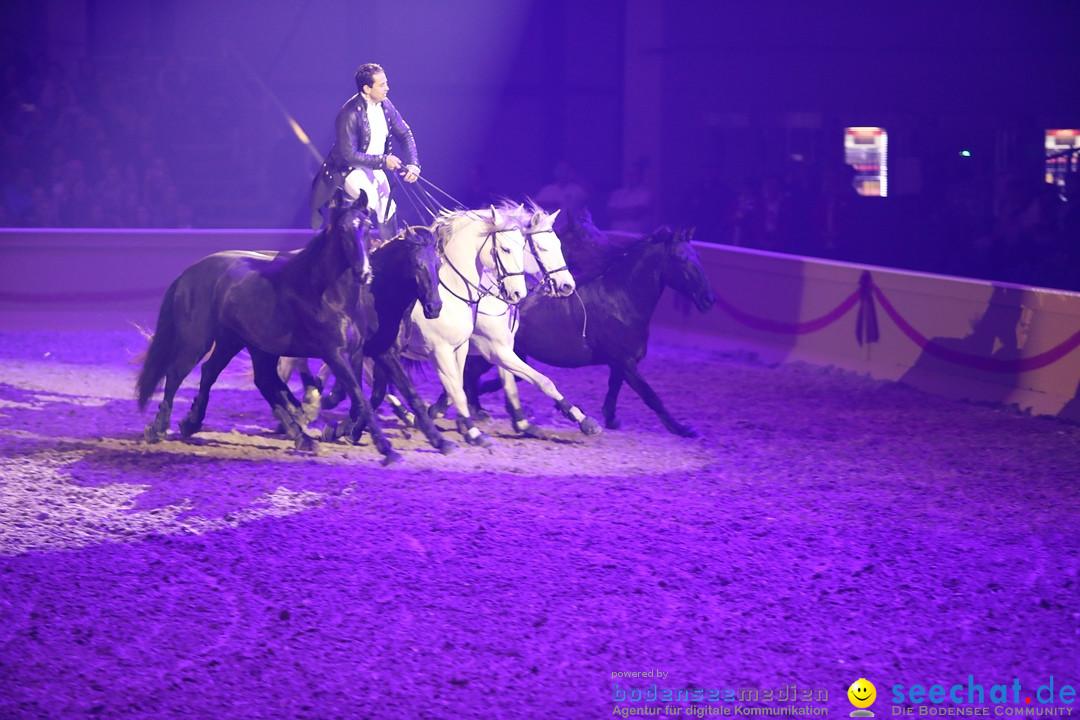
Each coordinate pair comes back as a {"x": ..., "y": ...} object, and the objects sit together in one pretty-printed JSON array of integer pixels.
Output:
[
  {"x": 412, "y": 365},
  {"x": 162, "y": 349}
]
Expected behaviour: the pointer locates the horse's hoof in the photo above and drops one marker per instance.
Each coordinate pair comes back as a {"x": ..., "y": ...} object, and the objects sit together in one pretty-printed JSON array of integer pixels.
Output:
[
  {"x": 305, "y": 443},
  {"x": 534, "y": 431},
  {"x": 435, "y": 412},
  {"x": 330, "y": 431},
  {"x": 390, "y": 458},
  {"x": 189, "y": 427},
  {"x": 309, "y": 409},
  {"x": 151, "y": 435},
  {"x": 590, "y": 427},
  {"x": 355, "y": 432},
  {"x": 446, "y": 446},
  {"x": 686, "y": 431},
  {"x": 481, "y": 440},
  {"x": 308, "y": 414},
  {"x": 332, "y": 400},
  {"x": 404, "y": 417},
  {"x": 479, "y": 414},
  {"x": 612, "y": 423}
]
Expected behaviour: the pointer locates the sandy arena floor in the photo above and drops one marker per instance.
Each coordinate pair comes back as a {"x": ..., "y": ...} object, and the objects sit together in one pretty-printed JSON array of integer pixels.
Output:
[{"x": 824, "y": 528}]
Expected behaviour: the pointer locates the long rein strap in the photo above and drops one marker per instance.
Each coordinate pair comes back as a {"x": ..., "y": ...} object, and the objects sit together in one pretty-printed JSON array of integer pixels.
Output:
[
  {"x": 423, "y": 204},
  {"x": 480, "y": 290}
]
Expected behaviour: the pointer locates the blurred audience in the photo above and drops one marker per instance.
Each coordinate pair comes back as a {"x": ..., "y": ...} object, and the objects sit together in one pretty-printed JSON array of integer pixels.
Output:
[
  {"x": 1029, "y": 233},
  {"x": 82, "y": 151},
  {"x": 79, "y": 153},
  {"x": 630, "y": 207},
  {"x": 565, "y": 191}
]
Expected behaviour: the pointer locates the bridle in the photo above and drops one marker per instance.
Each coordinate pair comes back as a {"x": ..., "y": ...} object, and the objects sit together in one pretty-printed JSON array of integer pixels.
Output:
[
  {"x": 501, "y": 272},
  {"x": 547, "y": 282}
]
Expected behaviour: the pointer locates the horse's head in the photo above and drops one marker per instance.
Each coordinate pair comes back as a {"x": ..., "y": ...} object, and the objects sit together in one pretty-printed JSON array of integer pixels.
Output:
[
  {"x": 349, "y": 221},
  {"x": 506, "y": 261},
  {"x": 424, "y": 262},
  {"x": 545, "y": 257},
  {"x": 681, "y": 268}
]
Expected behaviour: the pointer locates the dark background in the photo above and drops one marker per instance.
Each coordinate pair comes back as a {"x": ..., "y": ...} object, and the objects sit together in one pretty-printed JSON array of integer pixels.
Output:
[{"x": 176, "y": 112}]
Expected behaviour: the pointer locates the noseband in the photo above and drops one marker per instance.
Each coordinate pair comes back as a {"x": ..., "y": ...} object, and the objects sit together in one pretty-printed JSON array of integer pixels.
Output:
[
  {"x": 548, "y": 282},
  {"x": 501, "y": 273}
]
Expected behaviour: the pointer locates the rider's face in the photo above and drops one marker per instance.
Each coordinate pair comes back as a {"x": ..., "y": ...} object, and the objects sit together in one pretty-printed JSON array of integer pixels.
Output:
[{"x": 377, "y": 91}]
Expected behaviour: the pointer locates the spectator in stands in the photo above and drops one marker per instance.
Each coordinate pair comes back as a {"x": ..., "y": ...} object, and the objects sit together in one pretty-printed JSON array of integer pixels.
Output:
[{"x": 630, "y": 207}]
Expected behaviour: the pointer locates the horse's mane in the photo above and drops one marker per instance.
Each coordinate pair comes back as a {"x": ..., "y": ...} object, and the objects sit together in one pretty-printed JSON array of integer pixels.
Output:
[
  {"x": 401, "y": 243},
  {"x": 342, "y": 220},
  {"x": 493, "y": 220},
  {"x": 590, "y": 252}
]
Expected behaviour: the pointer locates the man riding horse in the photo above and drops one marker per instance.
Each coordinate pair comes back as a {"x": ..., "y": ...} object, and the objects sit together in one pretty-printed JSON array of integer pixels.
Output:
[{"x": 367, "y": 132}]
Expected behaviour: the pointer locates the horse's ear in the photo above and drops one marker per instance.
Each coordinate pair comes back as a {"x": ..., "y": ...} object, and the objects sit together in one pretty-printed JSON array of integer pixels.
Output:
[
  {"x": 664, "y": 234},
  {"x": 554, "y": 215}
]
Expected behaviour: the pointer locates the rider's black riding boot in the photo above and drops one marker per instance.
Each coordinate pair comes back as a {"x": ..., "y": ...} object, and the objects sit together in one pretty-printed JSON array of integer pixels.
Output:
[{"x": 388, "y": 228}]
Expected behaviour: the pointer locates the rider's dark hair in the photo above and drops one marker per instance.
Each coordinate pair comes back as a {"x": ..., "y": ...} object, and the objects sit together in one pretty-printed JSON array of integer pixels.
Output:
[{"x": 365, "y": 75}]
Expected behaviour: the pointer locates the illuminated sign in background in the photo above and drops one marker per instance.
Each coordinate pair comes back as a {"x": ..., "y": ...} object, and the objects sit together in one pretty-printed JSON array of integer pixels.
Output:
[
  {"x": 1062, "y": 155},
  {"x": 867, "y": 150}
]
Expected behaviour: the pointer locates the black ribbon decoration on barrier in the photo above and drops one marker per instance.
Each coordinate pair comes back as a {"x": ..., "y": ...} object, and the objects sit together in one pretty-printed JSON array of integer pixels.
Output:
[{"x": 866, "y": 327}]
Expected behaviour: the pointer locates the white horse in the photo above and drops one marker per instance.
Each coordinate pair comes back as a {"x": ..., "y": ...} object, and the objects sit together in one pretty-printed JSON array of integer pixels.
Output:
[
  {"x": 483, "y": 260},
  {"x": 489, "y": 321}
]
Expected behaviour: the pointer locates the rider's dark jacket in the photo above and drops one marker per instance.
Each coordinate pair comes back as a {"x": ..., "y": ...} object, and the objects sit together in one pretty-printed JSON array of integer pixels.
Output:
[{"x": 352, "y": 134}]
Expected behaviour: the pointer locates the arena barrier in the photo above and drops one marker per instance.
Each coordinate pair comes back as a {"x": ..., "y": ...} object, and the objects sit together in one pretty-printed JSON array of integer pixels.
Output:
[{"x": 959, "y": 338}]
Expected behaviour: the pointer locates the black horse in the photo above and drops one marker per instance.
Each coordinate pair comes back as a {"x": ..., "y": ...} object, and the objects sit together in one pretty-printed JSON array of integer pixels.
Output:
[
  {"x": 405, "y": 270},
  {"x": 620, "y": 281},
  {"x": 305, "y": 304}
]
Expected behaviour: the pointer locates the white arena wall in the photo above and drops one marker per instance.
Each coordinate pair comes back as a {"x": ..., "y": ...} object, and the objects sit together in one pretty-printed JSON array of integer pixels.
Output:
[{"x": 959, "y": 338}]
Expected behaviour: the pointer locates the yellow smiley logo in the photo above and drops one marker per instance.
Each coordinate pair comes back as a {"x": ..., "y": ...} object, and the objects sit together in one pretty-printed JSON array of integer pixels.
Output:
[{"x": 862, "y": 693}]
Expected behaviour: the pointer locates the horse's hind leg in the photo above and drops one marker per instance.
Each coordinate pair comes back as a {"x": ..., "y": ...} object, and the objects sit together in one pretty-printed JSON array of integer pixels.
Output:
[
  {"x": 513, "y": 407},
  {"x": 642, "y": 388},
  {"x": 313, "y": 385},
  {"x": 337, "y": 391},
  {"x": 615, "y": 381},
  {"x": 225, "y": 349},
  {"x": 285, "y": 407},
  {"x": 475, "y": 367},
  {"x": 178, "y": 370}
]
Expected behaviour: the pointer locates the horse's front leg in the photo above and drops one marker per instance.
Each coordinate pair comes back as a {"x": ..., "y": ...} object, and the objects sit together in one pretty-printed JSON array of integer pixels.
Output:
[
  {"x": 507, "y": 360},
  {"x": 634, "y": 380},
  {"x": 360, "y": 411},
  {"x": 450, "y": 364},
  {"x": 475, "y": 367},
  {"x": 390, "y": 363},
  {"x": 285, "y": 407}
]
